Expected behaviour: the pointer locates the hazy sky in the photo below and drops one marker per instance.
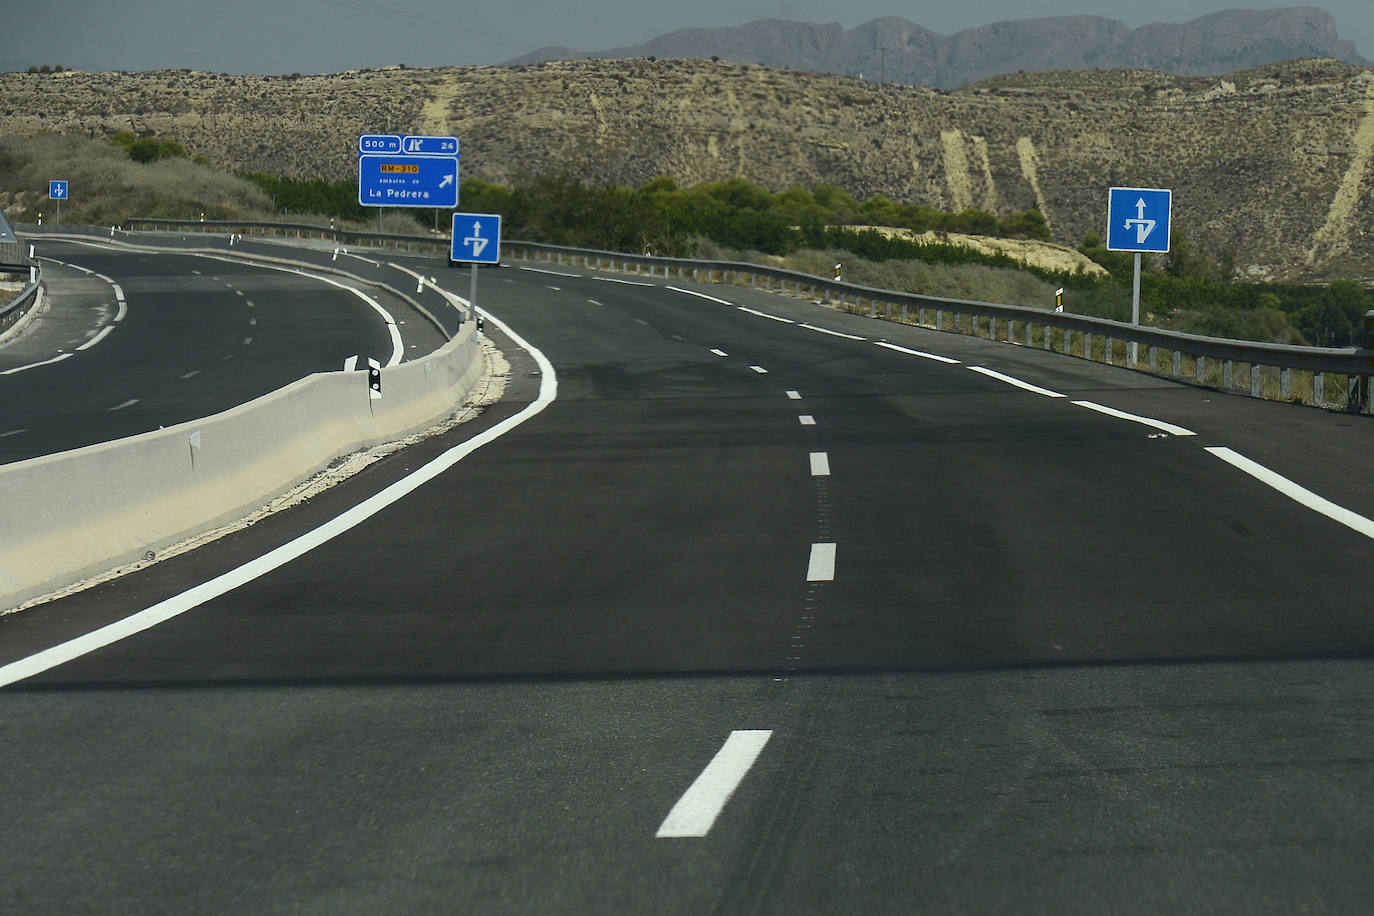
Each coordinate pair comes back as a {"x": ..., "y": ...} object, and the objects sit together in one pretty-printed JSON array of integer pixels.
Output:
[{"x": 318, "y": 36}]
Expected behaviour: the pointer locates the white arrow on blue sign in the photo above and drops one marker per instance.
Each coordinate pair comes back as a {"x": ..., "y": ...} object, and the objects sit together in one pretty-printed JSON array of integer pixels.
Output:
[
  {"x": 57, "y": 190},
  {"x": 476, "y": 238},
  {"x": 408, "y": 181},
  {"x": 1138, "y": 219}
]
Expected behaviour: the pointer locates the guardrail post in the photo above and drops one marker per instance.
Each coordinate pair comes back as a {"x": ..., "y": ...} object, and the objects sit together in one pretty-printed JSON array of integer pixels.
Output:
[
  {"x": 1154, "y": 358},
  {"x": 1254, "y": 380},
  {"x": 1318, "y": 389},
  {"x": 1226, "y": 375},
  {"x": 1178, "y": 363},
  {"x": 1286, "y": 383},
  {"x": 1352, "y": 393}
]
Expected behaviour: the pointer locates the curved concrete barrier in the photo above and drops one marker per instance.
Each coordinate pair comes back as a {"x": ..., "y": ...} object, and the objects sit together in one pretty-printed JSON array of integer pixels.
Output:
[{"x": 72, "y": 515}]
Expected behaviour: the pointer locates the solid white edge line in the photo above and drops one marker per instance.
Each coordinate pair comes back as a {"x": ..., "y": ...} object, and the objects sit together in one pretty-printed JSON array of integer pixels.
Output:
[
  {"x": 623, "y": 282},
  {"x": 820, "y": 464},
  {"x": 123, "y": 310},
  {"x": 1352, "y": 520},
  {"x": 1147, "y": 421},
  {"x": 46, "y": 362},
  {"x": 907, "y": 350},
  {"x": 398, "y": 348},
  {"x": 552, "y": 273},
  {"x": 812, "y": 327},
  {"x": 765, "y": 315},
  {"x": 280, "y": 556},
  {"x": 1014, "y": 382},
  {"x": 696, "y": 811},
  {"x": 821, "y": 567},
  {"x": 692, "y": 292},
  {"x": 97, "y": 338}
]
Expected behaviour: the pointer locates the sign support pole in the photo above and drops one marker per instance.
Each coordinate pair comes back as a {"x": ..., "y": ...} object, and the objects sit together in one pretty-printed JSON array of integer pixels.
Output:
[
  {"x": 472, "y": 290},
  {"x": 1135, "y": 305}
]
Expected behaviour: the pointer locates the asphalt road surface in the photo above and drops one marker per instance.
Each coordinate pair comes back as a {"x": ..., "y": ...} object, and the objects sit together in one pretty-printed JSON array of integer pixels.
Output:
[
  {"x": 759, "y": 608},
  {"x": 129, "y": 341}
]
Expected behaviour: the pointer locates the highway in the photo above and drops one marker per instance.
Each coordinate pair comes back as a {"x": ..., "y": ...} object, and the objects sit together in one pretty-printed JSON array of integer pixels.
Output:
[
  {"x": 132, "y": 341},
  {"x": 750, "y": 607}
]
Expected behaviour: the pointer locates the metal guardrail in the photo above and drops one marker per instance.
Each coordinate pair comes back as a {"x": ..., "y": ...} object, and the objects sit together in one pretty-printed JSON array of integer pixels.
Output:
[{"x": 1319, "y": 376}]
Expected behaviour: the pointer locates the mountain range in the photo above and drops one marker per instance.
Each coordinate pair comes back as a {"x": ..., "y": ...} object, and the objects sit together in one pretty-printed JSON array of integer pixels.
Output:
[{"x": 894, "y": 50}]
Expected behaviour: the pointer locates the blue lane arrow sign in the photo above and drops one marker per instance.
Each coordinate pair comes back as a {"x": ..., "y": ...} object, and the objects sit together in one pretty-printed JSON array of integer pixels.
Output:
[
  {"x": 57, "y": 190},
  {"x": 408, "y": 181},
  {"x": 1138, "y": 219},
  {"x": 476, "y": 238}
]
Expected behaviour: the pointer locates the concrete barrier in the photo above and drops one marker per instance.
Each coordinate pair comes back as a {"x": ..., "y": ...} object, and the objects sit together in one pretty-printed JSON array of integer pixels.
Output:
[{"x": 75, "y": 514}]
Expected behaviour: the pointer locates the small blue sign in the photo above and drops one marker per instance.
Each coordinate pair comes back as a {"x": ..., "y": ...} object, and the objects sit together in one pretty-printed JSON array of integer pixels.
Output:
[
  {"x": 430, "y": 146},
  {"x": 378, "y": 144},
  {"x": 57, "y": 190},
  {"x": 476, "y": 238},
  {"x": 1138, "y": 219},
  {"x": 408, "y": 181}
]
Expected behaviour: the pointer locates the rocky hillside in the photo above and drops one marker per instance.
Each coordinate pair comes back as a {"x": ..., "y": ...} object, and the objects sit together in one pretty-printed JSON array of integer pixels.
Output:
[
  {"x": 1273, "y": 163},
  {"x": 895, "y": 50}
]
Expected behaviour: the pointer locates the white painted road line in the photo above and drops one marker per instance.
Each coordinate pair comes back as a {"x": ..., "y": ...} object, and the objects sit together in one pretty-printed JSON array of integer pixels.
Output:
[
  {"x": 622, "y": 282},
  {"x": 794, "y": 395},
  {"x": 13, "y": 432},
  {"x": 552, "y": 273},
  {"x": 719, "y": 352},
  {"x": 1160, "y": 425},
  {"x": 1299, "y": 494},
  {"x": 696, "y": 811},
  {"x": 822, "y": 565},
  {"x": 97, "y": 338},
  {"x": 820, "y": 464},
  {"x": 921, "y": 353},
  {"x": 1015, "y": 382},
  {"x": 692, "y": 292},
  {"x": 46, "y": 362},
  {"x": 766, "y": 315},
  {"x": 812, "y": 327},
  {"x": 806, "y": 420},
  {"x": 129, "y": 403},
  {"x": 759, "y": 369},
  {"x": 123, "y": 310},
  {"x": 192, "y": 598},
  {"x": 193, "y": 372}
]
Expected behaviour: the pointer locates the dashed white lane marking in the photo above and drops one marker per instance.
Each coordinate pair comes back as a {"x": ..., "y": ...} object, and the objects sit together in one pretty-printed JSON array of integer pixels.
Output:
[
  {"x": 719, "y": 352},
  {"x": 191, "y": 374},
  {"x": 13, "y": 432},
  {"x": 696, "y": 811},
  {"x": 821, "y": 568},
  {"x": 759, "y": 369},
  {"x": 197, "y": 273},
  {"x": 551, "y": 273},
  {"x": 118, "y": 291},
  {"x": 1299, "y": 494},
  {"x": 1015, "y": 382},
  {"x": 794, "y": 395},
  {"x": 123, "y": 310},
  {"x": 46, "y": 362},
  {"x": 812, "y": 327},
  {"x": 249, "y": 303},
  {"x": 820, "y": 464},
  {"x": 692, "y": 292},
  {"x": 1160, "y": 425},
  {"x": 129, "y": 403},
  {"x": 593, "y": 302},
  {"x": 622, "y": 282},
  {"x": 766, "y": 315},
  {"x": 247, "y": 341},
  {"x": 238, "y": 292},
  {"x": 921, "y": 353},
  {"x": 177, "y": 605},
  {"x": 556, "y": 289},
  {"x": 252, "y": 322},
  {"x": 97, "y": 338},
  {"x": 806, "y": 420}
]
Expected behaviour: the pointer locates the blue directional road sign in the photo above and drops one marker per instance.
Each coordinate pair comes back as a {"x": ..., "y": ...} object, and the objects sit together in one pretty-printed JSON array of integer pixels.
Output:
[
  {"x": 1138, "y": 219},
  {"x": 408, "y": 181},
  {"x": 476, "y": 238},
  {"x": 430, "y": 146},
  {"x": 57, "y": 190},
  {"x": 378, "y": 144}
]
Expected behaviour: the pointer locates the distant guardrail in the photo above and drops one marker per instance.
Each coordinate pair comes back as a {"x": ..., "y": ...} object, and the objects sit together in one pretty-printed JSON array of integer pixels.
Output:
[{"x": 1318, "y": 376}]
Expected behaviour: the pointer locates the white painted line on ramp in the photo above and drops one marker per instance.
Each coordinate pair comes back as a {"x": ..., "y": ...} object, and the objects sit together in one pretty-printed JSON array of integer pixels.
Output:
[
  {"x": 622, "y": 282},
  {"x": 551, "y": 273},
  {"x": 1160, "y": 425},
  {"x": 1295, "y": 492},
  {"x": 759, "y": 369},
  {"x": 1015, "y": 382},
  {"x": 696, "y": 811},
  {"x": 820, "y": 464},
  {"x": 806, "y": 420},
  {"x": 274, "y": 559},
  {"x": 766, "y": 315},
  {"x": 129, "y": 403},
  {"x": 921, "y": 353},
  {"x": 812, "y": 327},
  {"x": 719, "y": 352},
  {"x": 692, "y": 292},
  {"x": 46, "y": 362},
  {"x": 794, "y": 395},
  {"x": 821, "y": 568},
  {"x": 97, "y": 338}
]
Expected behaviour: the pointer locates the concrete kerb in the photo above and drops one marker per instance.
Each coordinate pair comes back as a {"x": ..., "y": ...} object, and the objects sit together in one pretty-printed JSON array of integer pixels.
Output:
[{"x": 89, "y": 510}]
